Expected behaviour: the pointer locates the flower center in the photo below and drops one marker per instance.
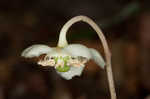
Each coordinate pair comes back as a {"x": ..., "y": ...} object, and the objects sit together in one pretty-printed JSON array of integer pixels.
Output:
[{"x": 63, "y": 63}]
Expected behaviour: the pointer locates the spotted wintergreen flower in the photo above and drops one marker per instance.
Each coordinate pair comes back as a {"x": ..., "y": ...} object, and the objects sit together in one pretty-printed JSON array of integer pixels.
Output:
[{"x": 68, "y": 59}]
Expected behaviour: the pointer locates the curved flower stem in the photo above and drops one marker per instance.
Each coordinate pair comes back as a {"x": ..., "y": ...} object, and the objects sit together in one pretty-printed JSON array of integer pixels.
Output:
[{"x": 63, "y": 42}]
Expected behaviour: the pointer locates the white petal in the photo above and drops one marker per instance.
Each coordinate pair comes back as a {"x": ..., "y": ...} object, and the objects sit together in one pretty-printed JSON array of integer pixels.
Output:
[
  {"x": 78, "y": 50},
  {"x": 35, "y": 50},
  {"x": 57, "y": 52},
  {"x": 96, "y": 56},
  {"x": 74, "y": 71}
]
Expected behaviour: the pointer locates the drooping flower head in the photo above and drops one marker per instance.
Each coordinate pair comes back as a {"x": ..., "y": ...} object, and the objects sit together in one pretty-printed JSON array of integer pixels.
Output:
[{"x": 68, "y": 59}]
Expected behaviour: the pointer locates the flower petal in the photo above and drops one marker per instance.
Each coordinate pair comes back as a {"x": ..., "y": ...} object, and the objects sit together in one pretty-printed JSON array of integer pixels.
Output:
[
  {"x": 96, "y": 56},
  {"x": 78, "y": 50},
  {"x": 74, "y": 71},
  {"x": 35, "y": 50}
]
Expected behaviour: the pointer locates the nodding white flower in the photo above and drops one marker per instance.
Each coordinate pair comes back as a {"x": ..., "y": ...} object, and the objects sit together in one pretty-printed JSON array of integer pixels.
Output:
[{"x": 68, "y": 59}]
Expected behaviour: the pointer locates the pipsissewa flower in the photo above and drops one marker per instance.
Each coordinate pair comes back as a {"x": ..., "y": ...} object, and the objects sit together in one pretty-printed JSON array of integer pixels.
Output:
[{"x": 68, "y": 59}]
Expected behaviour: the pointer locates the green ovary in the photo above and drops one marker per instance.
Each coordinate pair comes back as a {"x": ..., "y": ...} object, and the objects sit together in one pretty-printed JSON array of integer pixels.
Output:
[{"x": 65, "y": 68}]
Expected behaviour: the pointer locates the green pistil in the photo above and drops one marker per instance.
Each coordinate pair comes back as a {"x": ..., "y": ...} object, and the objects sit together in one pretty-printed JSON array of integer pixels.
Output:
[{"x": 65, "y": 68}]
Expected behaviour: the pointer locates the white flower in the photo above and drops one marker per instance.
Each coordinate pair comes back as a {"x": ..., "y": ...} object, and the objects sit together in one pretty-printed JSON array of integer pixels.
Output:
[
  {"x": 77, "y": 55},
  {"x": 68, "y": 59}
]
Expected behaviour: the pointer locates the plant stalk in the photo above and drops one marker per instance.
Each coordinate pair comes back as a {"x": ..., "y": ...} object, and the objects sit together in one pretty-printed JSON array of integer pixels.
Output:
[{"x": 63, "y": 42}]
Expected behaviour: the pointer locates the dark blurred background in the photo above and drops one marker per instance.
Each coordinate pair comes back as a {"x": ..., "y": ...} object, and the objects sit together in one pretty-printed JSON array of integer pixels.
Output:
[{"x": 126, "y": 24}]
